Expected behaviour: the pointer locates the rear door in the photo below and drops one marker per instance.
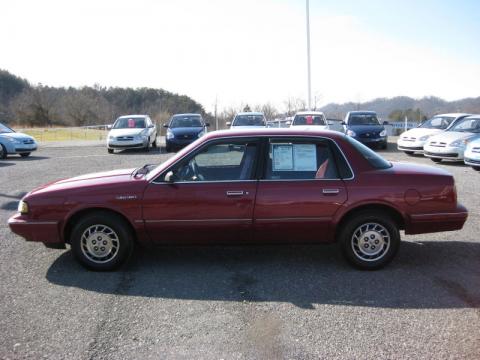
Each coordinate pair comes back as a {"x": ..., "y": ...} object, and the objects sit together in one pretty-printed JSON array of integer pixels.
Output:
[{"x": 300, "y": 191}]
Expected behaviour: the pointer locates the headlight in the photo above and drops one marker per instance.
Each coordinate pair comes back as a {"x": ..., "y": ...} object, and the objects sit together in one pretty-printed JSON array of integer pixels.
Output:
[
  {"x": 111, "y": 137},
  {"x": 22, "y": 207},
  {"x": 424, "y": 138},
  {"x": 459, "y": 143},
  {"x": 13, "y": 140},
  {"x": 170, "y": 134},
  {"x": 201, "y": 133},
  {"x": 351, "y": 133},
  {"x": 383, "y": 133}
]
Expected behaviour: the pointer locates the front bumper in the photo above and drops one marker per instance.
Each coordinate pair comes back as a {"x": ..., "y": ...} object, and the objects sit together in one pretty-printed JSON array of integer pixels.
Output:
[
  {"x": 416, "y": 146},
  {"x": 471, "y": 162},
  {"x": 22, "y": 148},
  {"x": 437, "y": 222},
  {"x": 127, "y": 144},
  {"x": 179, "y": 142},
  {"x": 46, "y": 232},
  {"x": 372, "y": 141},
  {"x": 447, "y": 152}
]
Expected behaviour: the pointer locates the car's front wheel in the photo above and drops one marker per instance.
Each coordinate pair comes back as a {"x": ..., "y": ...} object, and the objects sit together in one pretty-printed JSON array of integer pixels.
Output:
[
  {"x": 101, "y": 241},
  {"x": 110, "y": 151},
  {"x": 369, "y": 240},
  {"x": 3, "y": 152},
  {"x": 477, "y": 168},
  {"x": 409, "y": 153}
]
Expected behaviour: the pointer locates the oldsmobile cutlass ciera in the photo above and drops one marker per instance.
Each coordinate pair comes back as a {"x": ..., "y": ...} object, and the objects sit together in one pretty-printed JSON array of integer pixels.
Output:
[{"x": 246, "y": 187}]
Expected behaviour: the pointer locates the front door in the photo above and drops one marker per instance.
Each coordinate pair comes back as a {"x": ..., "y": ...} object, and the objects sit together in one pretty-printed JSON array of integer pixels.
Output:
[
  {"x": 209, "y": 198},
  {"x": 299, "y": 193}
]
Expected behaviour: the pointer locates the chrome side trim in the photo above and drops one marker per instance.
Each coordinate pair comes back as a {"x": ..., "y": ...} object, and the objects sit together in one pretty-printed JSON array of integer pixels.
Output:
[
  {"x": 421, "y": 216},
  {"x": 290, "y": 219},
  {"x": 196, "y": 220},
  {"x": 24, "y": 222}
]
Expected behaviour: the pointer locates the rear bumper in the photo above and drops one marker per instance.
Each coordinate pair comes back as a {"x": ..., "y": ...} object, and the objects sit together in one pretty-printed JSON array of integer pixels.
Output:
[
  {"x": 46, "y": 232},
  {"x": 437, "y": 222}
]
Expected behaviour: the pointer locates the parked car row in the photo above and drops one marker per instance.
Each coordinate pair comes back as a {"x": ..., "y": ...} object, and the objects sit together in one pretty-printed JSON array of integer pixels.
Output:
[{"x": 453, "y": 137}]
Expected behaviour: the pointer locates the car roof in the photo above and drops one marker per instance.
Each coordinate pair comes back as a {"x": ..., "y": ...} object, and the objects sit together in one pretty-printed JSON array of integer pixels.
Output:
[
  {"x": 187, "y": 114},
  {"x": 290, "y": 132},
  {"x": 127, "y": 116},
  {"x": 309, "y": 113},
  {"x": 250, "y": 113},
  {"x": 453, "y": 114},
  {"x": 477, "y": 116},
  {"x": 362, "y": 112}
]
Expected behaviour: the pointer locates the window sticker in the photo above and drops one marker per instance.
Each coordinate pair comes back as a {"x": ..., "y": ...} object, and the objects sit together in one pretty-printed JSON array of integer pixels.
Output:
[
  {"x": 309, "y": 120},
  {"x": 305, "y": 157},
  {"x": 282, "y": 157},
  {"x": 131, "y": 123}
]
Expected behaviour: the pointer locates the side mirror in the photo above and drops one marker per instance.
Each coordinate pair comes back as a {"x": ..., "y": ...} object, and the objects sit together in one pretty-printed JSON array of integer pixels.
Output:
[
  {"x": 165, "y": 125},
  {"x": 343, "y": 123},
  {"x": 288, "y": 123},
  {"x": 385, "y": 123},
  {"x": 207, "y": 124},
  {"x": 169, "y": 177},
  {"x": 109, "y": 127},
  {"x": 329, "y": 122},
  {"x": 151, "y": 126},
  {"x": 228, "y": 123}
]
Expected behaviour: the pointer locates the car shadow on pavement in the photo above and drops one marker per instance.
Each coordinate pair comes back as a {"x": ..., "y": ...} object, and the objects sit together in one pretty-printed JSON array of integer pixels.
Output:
[
  {"x": 432, "y": 274},
  {"x": 29, "y": 158},
  {"x": 5, "y": 164},
  {"x": 152, "y": 151}
]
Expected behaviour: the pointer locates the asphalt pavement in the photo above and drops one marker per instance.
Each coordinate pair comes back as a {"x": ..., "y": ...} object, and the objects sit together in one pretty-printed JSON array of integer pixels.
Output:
[{"x": 262, "y": 302}]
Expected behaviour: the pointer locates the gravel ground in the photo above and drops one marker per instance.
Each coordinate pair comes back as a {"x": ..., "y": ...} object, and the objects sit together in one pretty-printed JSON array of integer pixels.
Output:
[{"x": 234, "y": 303}]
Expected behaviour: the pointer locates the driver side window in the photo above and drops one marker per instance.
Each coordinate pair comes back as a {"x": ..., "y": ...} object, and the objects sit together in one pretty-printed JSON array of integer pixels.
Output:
[{"x": 219, "y": 162}]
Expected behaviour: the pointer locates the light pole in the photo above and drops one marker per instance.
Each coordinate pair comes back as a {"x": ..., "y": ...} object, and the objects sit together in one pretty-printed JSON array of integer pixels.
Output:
[{"x": 309, "y": 100}]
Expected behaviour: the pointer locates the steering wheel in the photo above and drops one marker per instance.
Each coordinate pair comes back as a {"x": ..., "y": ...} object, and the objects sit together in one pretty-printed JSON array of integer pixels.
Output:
[{"x": 195, "y": 175}]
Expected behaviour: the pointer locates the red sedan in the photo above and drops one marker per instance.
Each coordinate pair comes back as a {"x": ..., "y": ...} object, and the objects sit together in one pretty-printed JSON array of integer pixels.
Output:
[{"x": 246, "y": 187}]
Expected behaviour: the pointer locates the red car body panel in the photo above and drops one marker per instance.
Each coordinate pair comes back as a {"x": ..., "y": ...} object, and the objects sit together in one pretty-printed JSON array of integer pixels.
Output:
[{"x": 267, "y": 211}]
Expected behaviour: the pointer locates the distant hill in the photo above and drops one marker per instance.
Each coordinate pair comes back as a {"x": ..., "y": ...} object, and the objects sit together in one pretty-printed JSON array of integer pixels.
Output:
[{"x": 428, "y": 106}]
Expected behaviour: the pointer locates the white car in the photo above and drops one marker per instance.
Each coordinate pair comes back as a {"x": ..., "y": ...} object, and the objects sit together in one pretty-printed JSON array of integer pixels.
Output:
[
  {"x": 451, "y": 144},
  {"x": 132, "y": 132},
  {"x": 413, "y": 140},
  {"x": 472, "y": 154},
  {"x": 307, "y": 119},
  {"x": 248, "y": 120}
]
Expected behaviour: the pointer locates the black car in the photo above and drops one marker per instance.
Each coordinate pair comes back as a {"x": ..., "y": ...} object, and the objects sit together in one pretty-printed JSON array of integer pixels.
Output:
[
  {"x": 183, "y": 129},
  {"x": 365, "y": 127}
]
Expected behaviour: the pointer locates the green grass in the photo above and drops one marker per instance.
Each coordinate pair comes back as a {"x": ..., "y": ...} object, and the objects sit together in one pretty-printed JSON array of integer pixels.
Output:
[{"x": 64, "y": 134}]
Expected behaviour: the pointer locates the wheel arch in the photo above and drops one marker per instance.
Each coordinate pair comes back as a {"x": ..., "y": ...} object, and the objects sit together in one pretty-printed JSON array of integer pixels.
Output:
[
  {"x": 77, "y": 215},
  {"x": 391, "y": 211}
]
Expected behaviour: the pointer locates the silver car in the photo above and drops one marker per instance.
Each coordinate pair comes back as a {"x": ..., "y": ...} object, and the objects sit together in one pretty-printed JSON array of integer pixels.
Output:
[{"x": 132, "y": 132}]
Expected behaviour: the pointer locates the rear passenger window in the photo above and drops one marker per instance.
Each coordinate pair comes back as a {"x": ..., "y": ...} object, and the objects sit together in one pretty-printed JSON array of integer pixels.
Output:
[{"x": 300, "y": 160}]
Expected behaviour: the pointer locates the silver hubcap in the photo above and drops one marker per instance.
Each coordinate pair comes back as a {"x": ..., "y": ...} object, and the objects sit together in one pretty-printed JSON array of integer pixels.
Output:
[
  {"x": 370, "y": 242},
  {"x": 100, "y": 243}
]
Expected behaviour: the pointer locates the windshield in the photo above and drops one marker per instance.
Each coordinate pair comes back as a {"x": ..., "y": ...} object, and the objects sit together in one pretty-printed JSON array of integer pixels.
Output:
[
  {"x": 368, "y": 154},
  {"x": 5, "y": 129},
  {"x": 130, "y": 123},
  {"x": 363, "y": 119},
  {"x": 309, "y": 120},
  {"x": 249, "y": 120},
  {"x": 467, "y": 125},
  {"x": 437, "y": 122},
  {"x": 186, "y": 121}
]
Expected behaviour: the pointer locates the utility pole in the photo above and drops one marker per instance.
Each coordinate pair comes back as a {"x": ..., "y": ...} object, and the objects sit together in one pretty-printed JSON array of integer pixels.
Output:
[
  {"x": 216, "y": 118},
  {"x": 309, "y": 100}
]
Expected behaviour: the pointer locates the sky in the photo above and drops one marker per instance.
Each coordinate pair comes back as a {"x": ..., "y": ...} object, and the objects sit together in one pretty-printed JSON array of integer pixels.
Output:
[{"x": 248, "y": 51}]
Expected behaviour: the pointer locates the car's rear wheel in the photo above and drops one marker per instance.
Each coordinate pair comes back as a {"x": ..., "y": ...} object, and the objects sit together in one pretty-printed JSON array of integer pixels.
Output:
[
  {"x": 3, "y": 152},
  {"x": 110, "y": 151},
  {"x": 369, "y": 240},
  {"x": 101, "y": 241},
  {"x": 435, "y": 160},
  {"x": 25, "y": 154},
  {"x": 409, "y": 153}
]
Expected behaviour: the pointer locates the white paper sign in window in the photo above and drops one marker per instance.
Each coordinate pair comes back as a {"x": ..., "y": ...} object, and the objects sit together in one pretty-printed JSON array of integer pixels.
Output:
[
  {"x": 305, "y": 157},
  {"x": 282, "y": 157}
]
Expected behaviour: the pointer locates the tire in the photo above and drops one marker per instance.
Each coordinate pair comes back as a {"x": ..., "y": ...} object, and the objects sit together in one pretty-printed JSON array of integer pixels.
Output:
[
  {"x": 3, "y": 152},
  {"x": 154, "y": 144},
  {"x": 24, "y": 155},
  {"x": 168, "y": 148},
  {"x": 409, "y": 153},
  {"x": 114, "y": 234},
  {"x": 378, "y": 236},
  {"x": 147, "y": 148},
  {"x": 110, "y": 151},
  {"x": 384, "y": 146},
  {"x": 476, "y": 168},
  {"x": 435, "y": 160}
]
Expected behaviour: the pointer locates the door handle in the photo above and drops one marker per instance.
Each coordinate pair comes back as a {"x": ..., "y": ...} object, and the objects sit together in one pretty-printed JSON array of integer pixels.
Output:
[
  {"x": 330, "y": 191},
  {"x": 236, "y": 193}
]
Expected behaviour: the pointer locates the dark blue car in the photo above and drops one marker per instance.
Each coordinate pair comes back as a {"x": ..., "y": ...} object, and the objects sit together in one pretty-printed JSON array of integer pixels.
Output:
[
  {"x": 365, "y": 127},
  {"x": 183, "y": 129}
]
